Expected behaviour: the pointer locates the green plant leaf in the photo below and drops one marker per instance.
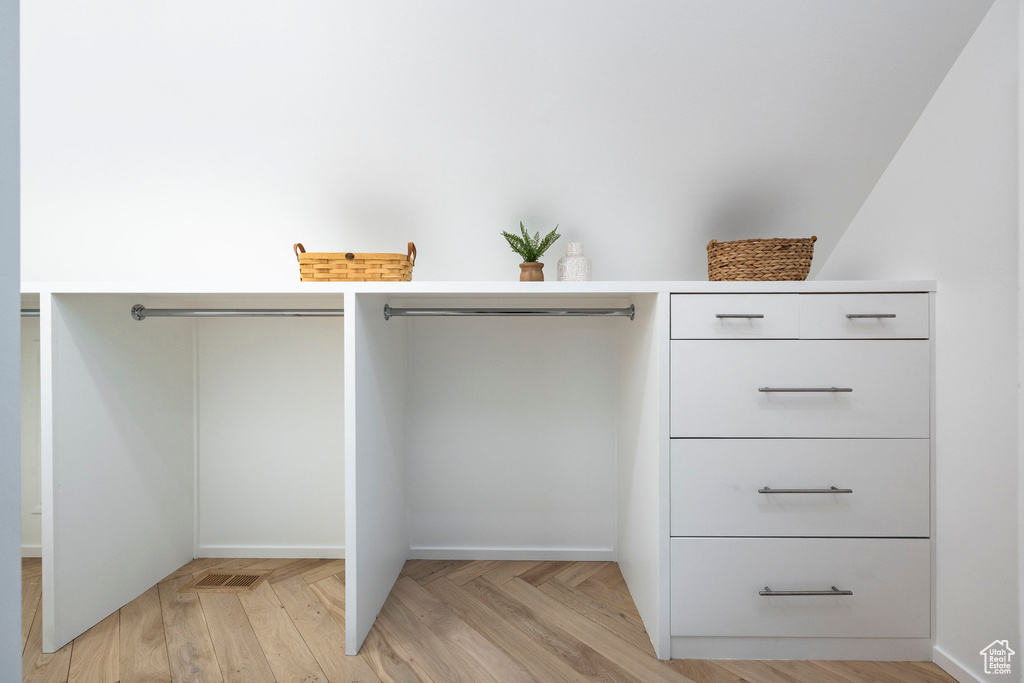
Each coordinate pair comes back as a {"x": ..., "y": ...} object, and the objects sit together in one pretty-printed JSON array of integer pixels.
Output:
[
  {"x": 516, "y": 243},
  {"x": 548, "y": 240},
  {"x": 530, "y": 248}
]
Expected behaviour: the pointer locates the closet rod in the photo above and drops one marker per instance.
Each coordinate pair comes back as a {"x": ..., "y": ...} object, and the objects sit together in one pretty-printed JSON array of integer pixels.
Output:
[
  {"x": 628, "y": 312},
  {"x": 140, "y": 312},
  {"x": 30, "y": 313}
]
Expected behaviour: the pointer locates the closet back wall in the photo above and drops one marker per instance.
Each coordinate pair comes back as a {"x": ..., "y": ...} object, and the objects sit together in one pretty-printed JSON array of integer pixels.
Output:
[
  {"x": 271, "y": 437},
  {"x": 512, "y": 437},
  {"x": 31, "y": 448},
  {"x": 197, "y": 140}
]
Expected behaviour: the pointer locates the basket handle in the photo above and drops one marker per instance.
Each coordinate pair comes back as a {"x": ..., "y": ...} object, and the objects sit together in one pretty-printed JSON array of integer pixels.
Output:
[
  {"x": 298, "y": 248},
  {"x": 412, "y": 254}
]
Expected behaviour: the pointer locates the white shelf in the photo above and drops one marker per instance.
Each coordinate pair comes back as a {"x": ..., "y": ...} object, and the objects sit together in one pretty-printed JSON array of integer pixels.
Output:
[{"x": 477, "y": 288}]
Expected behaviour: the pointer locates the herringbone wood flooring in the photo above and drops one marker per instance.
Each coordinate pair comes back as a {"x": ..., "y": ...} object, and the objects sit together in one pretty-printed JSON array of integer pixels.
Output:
[{"x": 445, "y": 621}]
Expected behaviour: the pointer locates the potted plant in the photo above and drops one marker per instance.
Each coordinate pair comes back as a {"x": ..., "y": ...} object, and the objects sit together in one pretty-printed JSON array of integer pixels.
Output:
[{"x": 531, "y": 249}]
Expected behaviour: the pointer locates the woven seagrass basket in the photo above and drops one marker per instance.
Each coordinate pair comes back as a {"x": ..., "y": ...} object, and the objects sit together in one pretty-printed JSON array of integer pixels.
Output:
[
  {"x": 332, "y": 267},
  {"x": 769, "y": 259}
]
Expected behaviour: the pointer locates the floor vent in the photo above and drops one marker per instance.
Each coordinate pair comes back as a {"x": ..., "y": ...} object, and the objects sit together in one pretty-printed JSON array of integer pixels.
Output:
[{"x": 222, "y": 582}]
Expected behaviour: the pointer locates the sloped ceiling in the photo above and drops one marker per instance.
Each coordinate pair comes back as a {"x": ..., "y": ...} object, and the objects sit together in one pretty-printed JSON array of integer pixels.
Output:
[
  {"x": 805, "y": 104},
  {"x": 644, "y": 128}
]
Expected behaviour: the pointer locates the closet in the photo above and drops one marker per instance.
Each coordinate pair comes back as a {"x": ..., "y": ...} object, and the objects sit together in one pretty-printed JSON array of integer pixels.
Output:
[
  {"x": 432, "y": 420},
  {"x": 168, "y": 439}
]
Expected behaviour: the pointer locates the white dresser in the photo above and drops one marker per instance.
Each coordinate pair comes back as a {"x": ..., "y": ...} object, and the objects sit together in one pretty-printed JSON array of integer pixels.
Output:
[{"x": 800, "y": 475}]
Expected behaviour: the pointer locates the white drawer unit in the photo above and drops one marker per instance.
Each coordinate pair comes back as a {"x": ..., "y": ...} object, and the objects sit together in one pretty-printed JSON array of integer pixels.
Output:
[
  {"x": 800, "y": 466},
  {"x": 864, "y": 316},
  {"x": 800, "y": 316},
  {"x": 858, "y": 588},
  {"x": 859, "y": 388},
  {"x": 735, "y": 316},
  {"x": 800, "y": 487}
]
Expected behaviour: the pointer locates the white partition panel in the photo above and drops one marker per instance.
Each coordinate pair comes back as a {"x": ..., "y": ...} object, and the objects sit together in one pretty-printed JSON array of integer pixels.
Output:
[
  {"x": 118, "y": 467},
  {"x": 375, "y": 510},
  {"x": 643, "y": 546}
]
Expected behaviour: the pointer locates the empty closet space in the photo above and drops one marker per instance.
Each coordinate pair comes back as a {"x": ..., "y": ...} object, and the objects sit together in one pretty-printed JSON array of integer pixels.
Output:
[
  {"x": 511, "y": 427},
  {"x": 183, "y": 434},
  {"x": 514, "y": 433},
  {"x": 270, "y": 436}
]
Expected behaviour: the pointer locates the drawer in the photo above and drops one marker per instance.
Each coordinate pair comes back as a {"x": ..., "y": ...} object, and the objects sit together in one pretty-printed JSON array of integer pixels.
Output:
[
  {"x": 715, "y": 586},
  {"x": 735, "y": 316},
  {"x": 864, "y": 316},
  {"x": 718, "y": 388},
  {"x": 718, "y": 487}
]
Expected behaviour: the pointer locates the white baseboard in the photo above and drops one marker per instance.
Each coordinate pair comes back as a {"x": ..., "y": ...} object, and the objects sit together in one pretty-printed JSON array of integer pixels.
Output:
[
  {"x": 955, "y": 668},
  {"x": 766, "y": 647},
  {"x": 326, "y": 552},
  {"x": 551, "y": 554},
  {"x": 31, "y": 551},
  {"x": 416, "y": 553}
]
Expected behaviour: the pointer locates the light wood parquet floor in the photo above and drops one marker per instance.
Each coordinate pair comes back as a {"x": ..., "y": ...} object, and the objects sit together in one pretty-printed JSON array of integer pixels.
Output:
[{"x": 444, "y": 621}]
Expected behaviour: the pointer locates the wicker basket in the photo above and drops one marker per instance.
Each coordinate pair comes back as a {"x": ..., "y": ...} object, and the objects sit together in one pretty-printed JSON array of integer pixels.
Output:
[
  {"x": 770, "y": 259},
  {"x": 326, "y": 267}
]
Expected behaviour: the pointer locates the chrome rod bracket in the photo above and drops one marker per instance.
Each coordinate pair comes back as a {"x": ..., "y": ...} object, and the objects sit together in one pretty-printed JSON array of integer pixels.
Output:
[
  {"x": 138, "y": 312},
  {"x": 768, "y": 592}
]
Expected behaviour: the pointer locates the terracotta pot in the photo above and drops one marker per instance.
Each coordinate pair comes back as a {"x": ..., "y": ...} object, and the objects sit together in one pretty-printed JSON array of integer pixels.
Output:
[{"x": 531, "y": 272}]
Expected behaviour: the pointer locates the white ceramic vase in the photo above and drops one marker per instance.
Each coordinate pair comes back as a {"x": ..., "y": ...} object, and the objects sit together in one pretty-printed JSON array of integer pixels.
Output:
[{"x": 574, "y": 266}]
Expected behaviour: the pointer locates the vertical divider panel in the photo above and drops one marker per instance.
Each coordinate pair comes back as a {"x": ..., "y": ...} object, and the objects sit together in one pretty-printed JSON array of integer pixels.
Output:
[
  {"x": 117, "y": 458},
  {"x": 643, "y": 458},
  {"x": 46, "y": 478},
  {"x": 376, "y": 389}
]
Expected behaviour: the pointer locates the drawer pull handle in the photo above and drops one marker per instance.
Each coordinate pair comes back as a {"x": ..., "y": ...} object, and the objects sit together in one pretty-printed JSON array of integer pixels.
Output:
[
  {"x": 739, "y": 315},
  {"x": 768, "y": 592},
  {"x": 832, "y": 489},
  {"x": 870, "y": 315},
  {"x": 806, "y": 390}
]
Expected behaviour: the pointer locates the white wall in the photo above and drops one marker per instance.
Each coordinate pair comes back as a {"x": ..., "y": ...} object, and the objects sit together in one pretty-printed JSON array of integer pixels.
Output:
[
  {"x": 946, "y": 208},
  {"x": 10, "y": 439},
  {"x": 197, "y": 140},
  {"x": 513, "y": 419},
  {"x": 271, "y": 437},
  {"x": 31, "y": 454}
]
